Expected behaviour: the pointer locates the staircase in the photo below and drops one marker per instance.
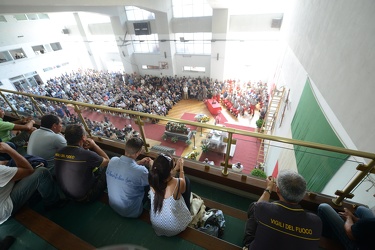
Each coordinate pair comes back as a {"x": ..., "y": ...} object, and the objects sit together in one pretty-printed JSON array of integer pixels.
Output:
[{"x": 269, "y": 122}]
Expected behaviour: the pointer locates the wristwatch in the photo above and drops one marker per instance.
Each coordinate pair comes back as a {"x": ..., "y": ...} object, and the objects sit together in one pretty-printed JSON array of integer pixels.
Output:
[{"x": 268, "y": 191}]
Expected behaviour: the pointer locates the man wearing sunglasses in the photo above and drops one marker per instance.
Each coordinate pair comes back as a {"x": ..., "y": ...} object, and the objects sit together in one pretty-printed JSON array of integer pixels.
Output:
[{"x": 127, "y": 180}]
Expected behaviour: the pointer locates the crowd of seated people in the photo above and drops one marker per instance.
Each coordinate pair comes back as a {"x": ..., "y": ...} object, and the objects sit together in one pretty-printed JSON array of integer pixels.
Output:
[{"x": 239, "y": 98}]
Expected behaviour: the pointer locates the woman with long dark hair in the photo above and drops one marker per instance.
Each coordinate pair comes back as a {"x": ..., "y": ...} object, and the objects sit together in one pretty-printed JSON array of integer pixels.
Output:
[{"x": 170, "y": 196}]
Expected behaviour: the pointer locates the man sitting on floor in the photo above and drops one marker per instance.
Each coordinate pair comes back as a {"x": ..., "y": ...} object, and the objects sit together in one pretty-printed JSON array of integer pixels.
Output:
[
  {"x": 18, "y": 184},
  {"x": 127, "y": 180},
  {"x": 282, "y": 224},
  {"x": 47, "y": 140},
  {"x": 80, "y": 166}
]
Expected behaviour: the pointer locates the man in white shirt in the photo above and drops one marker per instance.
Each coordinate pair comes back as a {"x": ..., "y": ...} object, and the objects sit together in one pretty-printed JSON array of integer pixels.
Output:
[
  {"x": 18, "y": 184},
  {"x": 47, "y": 140}
]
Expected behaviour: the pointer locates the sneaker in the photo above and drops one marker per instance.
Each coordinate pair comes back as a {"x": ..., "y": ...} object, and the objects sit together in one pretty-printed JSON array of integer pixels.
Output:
[{"x": 59, "y": 204}]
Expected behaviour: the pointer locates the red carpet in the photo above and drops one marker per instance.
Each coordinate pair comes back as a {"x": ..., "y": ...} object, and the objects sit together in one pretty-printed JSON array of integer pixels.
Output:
[{"x": 189, "y": 117}]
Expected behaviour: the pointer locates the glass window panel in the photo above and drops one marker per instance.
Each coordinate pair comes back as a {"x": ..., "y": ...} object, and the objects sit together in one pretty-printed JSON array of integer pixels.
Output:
[
  {"x": 137, "y": 47},
  {"x": 187, "y": 11},
  {"x": 43, "y": 16},
  {"x": 144, "y": 48},
  {"x": 207, "y": 10},
  {"x": 20, "y": 17},
  {"x": 180, "y": 48},
  {"x": 198, "y": 36},
  {"x": 198, "y": 48},
  {"x": 130, "y": 15},
  {"x": 188, "y": 36},
  {"x": 32, "y": 16},
  {"x": 207, "y": 49}
]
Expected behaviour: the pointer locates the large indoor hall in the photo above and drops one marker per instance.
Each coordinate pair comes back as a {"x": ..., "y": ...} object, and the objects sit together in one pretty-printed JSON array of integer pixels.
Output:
[{"x": 260, "y": 109}]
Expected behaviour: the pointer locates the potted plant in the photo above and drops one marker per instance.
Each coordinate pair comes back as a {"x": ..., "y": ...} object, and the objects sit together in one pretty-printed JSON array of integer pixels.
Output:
[
  {"x": 164, "y": 136},
  {"x": 174, "y": 139},
  {"x": 188, "y": 142},
  {"x": 259, "y": 124},
  {"x": 258, "y": 173},
  {"x": 204, "y": 148}
]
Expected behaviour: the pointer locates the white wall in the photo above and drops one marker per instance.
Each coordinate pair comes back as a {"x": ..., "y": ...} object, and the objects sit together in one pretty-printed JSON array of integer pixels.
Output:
[{"x": 324, "y": 41}]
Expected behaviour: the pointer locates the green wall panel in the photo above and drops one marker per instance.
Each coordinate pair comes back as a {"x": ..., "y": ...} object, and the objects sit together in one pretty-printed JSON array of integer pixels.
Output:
[{"x": 310, "y": 124}]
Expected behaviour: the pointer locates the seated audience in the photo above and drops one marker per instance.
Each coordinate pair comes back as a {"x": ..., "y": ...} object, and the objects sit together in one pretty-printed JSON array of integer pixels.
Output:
[
  {"x": 6, "y": 128},
  {"x": 18, "y": 184},
  {"x": 170, "y": 197},
  {"x": 127, "y": 180},
  {"x": 81, "y": 172},
  {"x": 47, "y": 140},
  {"x": 282, "y": 224},
  {"x": 354, "y": 231}
]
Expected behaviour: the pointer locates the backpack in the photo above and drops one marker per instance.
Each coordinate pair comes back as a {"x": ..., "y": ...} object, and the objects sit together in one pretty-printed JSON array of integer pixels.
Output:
[
  {"x": 35, "y": 161},
  {"x": 197, "y": 210},
  {"x": 214, "y": 223}
]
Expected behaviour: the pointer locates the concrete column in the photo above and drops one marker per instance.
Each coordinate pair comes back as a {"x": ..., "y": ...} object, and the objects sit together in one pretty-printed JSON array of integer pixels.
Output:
[
  {"x": 82, "y": 31},
  {"x": 121, "y": 34},
  {"x": 220, "y": 24},
  {"x": 166, "y": 47}
]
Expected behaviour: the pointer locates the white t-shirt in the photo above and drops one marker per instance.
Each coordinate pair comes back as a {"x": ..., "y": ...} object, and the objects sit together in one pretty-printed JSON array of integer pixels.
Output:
[{"x": 6, "y": 186}]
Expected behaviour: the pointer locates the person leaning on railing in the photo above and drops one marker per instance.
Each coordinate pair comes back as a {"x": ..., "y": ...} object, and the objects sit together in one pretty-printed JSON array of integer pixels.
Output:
[
  {"x": 282, "y": 224},
  {"x": 170, "y": 196},
  {"x": 127, "y": 180}
]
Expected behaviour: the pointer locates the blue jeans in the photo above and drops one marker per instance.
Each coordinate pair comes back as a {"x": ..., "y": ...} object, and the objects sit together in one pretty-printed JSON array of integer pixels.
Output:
[
  {"x": 41, "y": 180},
  {"x": 333, "y": 224}
]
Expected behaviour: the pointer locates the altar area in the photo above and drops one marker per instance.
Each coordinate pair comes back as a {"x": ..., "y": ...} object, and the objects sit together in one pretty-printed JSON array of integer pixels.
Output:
[{"x": 215, "y": 142}]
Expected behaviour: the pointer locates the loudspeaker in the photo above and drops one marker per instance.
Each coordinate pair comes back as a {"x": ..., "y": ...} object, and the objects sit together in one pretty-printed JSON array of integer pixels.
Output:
[
  {"x": 65, "y": 31},
  {"x": 142, "y": 28},
  {"x": 217, "y": 56},
  {"x": 165, "y": 54}
]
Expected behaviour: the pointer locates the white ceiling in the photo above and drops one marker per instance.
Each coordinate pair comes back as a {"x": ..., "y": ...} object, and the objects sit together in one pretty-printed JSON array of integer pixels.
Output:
[
  {"x": 241, "y": 7},
  {"x": 236, "y": 7}
]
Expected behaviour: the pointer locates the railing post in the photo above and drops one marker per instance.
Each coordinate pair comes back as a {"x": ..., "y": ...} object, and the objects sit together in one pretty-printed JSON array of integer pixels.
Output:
[
  {"x": 226, "y": 164},
  {"x": 36, "y": 105},
  {"x": 78, "y": 111},
  {"x": 363, "y": 170},
  {"x": 140, "y": 123}
]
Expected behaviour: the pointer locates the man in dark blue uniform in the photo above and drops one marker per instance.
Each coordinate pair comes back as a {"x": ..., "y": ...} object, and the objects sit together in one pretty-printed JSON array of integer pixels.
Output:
[{"x": 282, "y": 224}]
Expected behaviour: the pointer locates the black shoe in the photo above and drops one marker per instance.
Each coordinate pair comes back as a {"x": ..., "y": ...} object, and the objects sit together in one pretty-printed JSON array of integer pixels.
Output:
[
  {"x": 7, "y": 242},
  {"x": 60, "y": 204}
]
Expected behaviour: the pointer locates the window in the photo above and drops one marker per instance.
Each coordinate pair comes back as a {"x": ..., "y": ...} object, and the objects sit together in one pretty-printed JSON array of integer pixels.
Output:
[
  {"x": 39, "y": 49},
  {"x": 191, "y": 8},
  {"x": 145, "y": 43},
  {"x": 43, "y": 16},
  {"x": 56, "y": 46},
  {"x": 136, "y": 14},
  {"x": 194, "y": 69},
  {"x": 20, "y": 17},
  {"x": 5, "y": 56},
  {"x": 150, "y": 67},
  {"x": 193, "y": 43},
  {"x": 17, "y": 53},
  {"x": 32, "y": 16}
]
